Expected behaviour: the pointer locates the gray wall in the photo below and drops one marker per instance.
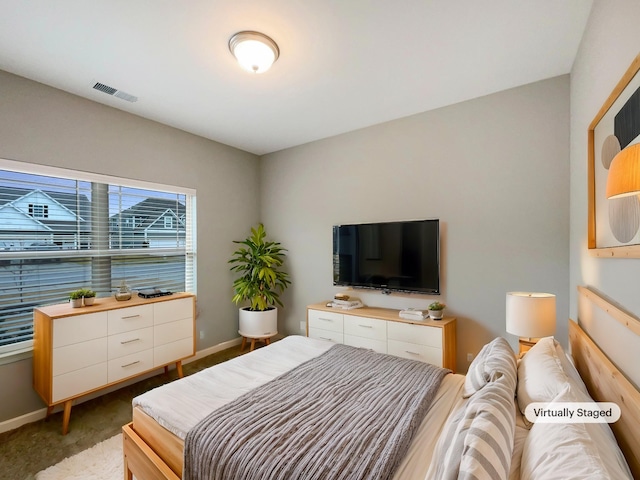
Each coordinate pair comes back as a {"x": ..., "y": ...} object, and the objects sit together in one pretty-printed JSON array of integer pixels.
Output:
[
  {"x": 494, "y": 170},
  {"x": 42, "y": 125},
  {"x": 609, "y": 45}
]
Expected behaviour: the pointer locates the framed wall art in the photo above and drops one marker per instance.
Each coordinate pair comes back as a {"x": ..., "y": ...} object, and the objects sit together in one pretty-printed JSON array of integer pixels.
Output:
[{"x": 614, "y": 224}]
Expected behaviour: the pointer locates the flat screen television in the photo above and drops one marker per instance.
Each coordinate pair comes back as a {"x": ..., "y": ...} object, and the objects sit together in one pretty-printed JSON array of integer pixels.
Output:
[{"x": 390, "y": 256}]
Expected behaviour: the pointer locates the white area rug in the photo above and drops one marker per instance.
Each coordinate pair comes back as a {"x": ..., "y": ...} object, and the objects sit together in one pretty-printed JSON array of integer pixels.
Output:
[{"x": 103, "y": 461}]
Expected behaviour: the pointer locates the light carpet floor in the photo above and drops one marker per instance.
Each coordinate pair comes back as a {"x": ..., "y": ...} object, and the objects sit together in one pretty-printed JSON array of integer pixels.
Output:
[{"x": 103, "y": 461}]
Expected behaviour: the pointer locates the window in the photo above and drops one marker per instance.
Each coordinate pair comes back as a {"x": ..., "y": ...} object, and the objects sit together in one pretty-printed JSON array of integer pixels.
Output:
[
  {"x": 62, "y": 230},
  {"x": 38, "y": 211},
  {"x": 168, "y": 222}
]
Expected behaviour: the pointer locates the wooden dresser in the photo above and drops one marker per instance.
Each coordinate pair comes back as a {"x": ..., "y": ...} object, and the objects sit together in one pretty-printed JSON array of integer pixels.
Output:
[
  {"x": 77, "y": 351},
  {"x": 382, "y": 330}
]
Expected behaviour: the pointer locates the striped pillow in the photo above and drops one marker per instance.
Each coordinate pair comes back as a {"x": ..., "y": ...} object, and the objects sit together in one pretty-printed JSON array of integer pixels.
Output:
[
  {"x": 494, "y": 360},
  {"x": 477, "y": 441}
]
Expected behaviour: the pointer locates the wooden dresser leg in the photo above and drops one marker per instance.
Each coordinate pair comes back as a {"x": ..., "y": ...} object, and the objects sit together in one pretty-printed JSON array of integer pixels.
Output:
[
  {"x": 49, "y": 410},
  {"x": 179, "y": 369},
  {"x": 66, "y": 416}
]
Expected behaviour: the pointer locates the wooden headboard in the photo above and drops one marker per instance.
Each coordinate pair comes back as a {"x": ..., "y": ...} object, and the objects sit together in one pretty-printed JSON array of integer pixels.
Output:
[{"x": 606, "y": 383}]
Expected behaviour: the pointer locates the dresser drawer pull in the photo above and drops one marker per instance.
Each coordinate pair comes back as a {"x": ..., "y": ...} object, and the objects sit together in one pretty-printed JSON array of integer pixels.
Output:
[
  {"x": 366, "y": 326},
  {"x": 130, "y": 364},
  {"x": 130, "y": 316},
  {"x": 325, "y": 319},
  {"x": 325, "y": 338},
  {"x": 130, "y": 341},
  {"x": 412, "y": 353}
]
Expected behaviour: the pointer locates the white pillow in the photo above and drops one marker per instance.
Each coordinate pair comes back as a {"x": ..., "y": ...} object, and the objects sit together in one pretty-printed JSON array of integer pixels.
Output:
[
  {"x": 540, "y": 374},
  {"x": 556, "y": 451},
  {"x": 570, "y": 369}
]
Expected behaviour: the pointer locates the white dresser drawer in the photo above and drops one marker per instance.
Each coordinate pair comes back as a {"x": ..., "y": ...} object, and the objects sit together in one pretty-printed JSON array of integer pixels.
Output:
[
  {"x": 365, "y": 327},
  {"x": 326, "y": 320},
  {"x": 79, "y": 355},
  {"x": 130, "y": 342},
  {"x": 170, "y": 332},
  {"x": 130, "y": 365},
  {"x": 79, "y": 381},
  {"x": 131, "y": 318},
  {"x": 79, "y": 328},
  {"x": 172, "y": 352},
  {"x": 420, "y": 334},
  {"x": 413, "y": 351},
  {"x": 335, "y": 337},
  {"x": 164, "y": 312},
  {"x": 379, "y": 346}
]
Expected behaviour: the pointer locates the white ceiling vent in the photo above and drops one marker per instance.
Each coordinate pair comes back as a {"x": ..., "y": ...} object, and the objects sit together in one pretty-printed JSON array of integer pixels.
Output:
[{"x": 115, "y": 92}]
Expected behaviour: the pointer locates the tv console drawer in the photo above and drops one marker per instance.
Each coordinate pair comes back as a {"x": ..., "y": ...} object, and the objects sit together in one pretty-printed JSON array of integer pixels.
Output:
[{"x": 326, "y": 320}]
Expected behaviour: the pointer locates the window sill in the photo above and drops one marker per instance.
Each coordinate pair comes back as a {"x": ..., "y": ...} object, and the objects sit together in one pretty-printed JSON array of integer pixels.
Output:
[{"x": 16, "y": 355}]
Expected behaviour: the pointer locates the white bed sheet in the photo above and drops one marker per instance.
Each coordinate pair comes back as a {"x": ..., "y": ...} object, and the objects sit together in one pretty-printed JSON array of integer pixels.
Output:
[{"x": 180, "y": 405}]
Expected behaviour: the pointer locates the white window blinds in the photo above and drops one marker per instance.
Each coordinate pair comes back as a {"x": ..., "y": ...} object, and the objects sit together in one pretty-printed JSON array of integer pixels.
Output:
[{"x": 62, "y": 230}]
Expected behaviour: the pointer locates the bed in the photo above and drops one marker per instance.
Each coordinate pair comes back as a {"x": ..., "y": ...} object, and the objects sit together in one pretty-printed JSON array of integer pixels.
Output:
[{"x": 443, "y": 444}]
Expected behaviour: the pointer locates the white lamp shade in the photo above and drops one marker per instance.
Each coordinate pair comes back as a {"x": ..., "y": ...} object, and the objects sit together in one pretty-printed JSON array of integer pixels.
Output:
[{"x": 531, "y": 315}]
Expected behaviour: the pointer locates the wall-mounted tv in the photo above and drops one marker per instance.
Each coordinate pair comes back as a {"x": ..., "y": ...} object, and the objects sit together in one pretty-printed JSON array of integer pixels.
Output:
[{"x": 390, "y": 256}]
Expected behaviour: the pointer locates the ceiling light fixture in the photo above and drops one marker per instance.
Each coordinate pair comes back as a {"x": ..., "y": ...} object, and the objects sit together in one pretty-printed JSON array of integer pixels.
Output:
[{"x": 254, "y": 51}]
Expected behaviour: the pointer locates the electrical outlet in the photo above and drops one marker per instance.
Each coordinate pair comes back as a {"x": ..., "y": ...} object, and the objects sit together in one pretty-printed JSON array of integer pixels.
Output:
[
  {"x": 469, "y": 357},
  {"x": 201, "y": 334}
]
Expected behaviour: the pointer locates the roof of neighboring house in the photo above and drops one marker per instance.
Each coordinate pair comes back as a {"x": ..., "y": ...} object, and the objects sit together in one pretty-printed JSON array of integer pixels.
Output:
[
  {"x": 77, "y": 204},
  {"x": 150, "y": 209}
]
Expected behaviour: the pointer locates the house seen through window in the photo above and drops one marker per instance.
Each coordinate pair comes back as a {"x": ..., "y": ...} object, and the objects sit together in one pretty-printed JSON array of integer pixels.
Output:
[{"x": 65, "y": 231}]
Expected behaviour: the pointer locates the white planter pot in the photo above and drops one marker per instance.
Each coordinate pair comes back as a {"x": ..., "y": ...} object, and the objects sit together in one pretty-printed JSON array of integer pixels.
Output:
[
  {"x": 436, "y": 314},
  {"x": 76, "y": 302},
  {"x": 89, "y": 301},
  {"x": 258, "y": 324}
]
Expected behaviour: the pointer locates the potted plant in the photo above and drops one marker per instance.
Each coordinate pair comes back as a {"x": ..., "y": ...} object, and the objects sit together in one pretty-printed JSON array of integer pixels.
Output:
[
  {"x": 436, "y": 310},
  {"x": 82, "y": 296},
  {"x": 261, "y": 281},
  {"x": 88, "y": 296}
]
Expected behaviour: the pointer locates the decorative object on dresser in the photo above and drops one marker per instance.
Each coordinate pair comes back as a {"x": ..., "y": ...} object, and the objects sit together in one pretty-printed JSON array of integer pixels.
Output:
[
  {"x": 82, "y": 297},
  {"x": 530, "y": 316},
  {"x": 124, "y": 292},
  {"x": 261, "y": 282},
  {"x": 436, "y": 310},
  {"x": 384, "y": 331},
  {"x": 348, "y": 303},
  {"x": 413, "y": 314},
  {"x": 79, "y": 351}
]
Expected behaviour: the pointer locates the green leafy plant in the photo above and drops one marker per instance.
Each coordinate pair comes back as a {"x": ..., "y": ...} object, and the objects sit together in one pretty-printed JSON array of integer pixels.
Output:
[
  {"x": 437, "y": 306},
  {"x": 261, "y": 280},
  {"x": 82, "y": 292}
]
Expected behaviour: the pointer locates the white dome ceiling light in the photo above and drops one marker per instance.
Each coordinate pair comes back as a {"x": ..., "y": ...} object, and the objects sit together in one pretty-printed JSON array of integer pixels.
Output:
[{"x": 254, "y": 51}]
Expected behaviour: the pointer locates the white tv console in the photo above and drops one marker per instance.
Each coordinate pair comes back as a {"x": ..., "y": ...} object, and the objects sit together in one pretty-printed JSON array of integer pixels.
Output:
[{"x": 382, "y": 330}]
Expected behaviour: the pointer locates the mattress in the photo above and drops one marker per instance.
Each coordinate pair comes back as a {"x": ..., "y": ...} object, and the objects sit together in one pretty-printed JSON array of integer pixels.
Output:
[{"x": 180, "y": 405}]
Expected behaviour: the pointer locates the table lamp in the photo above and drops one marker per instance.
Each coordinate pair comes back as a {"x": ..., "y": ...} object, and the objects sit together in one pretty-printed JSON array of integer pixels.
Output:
[{"x": 530, "y": 316}]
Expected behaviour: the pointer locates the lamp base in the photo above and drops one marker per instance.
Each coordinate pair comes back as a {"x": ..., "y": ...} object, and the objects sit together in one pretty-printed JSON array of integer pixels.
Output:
[{"x": 526, "y": 344}]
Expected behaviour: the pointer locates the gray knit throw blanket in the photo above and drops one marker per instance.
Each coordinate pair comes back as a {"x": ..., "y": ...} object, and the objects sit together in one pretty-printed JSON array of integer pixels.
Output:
[{"x": 349, "y": 413}]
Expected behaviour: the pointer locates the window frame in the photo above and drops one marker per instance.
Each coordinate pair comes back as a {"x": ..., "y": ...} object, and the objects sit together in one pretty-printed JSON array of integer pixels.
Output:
[{"x": 16, "y": 351}]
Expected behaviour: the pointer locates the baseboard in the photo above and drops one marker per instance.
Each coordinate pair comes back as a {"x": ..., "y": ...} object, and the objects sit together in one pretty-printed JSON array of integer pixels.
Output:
[
  {"x": 14, "y": 423},
  {"x": 40, "y": 414}
]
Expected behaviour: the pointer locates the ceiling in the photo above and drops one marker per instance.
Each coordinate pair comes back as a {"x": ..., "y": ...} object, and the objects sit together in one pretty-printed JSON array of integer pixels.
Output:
[{"x": 344, "y": 64}]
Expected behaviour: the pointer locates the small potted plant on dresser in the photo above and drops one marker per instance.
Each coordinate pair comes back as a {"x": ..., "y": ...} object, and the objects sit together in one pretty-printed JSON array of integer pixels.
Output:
[
  {"x": 82, "y": 296},
  {"x": 88, "y": 296},
  {"x": 261, "y": 282},
  {"x": 76, "y": 298},
  {"x": 436, "y": 310}
]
